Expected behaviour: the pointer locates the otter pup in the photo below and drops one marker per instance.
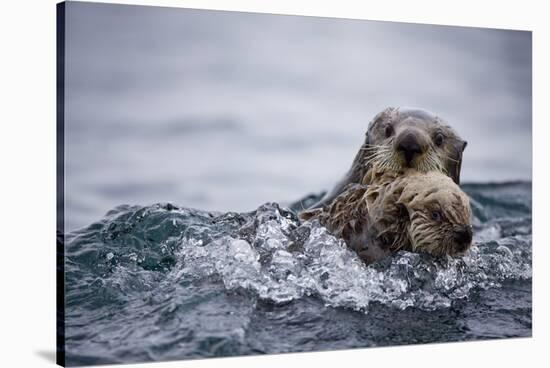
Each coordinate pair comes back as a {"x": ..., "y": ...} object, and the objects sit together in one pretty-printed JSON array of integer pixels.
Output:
[
  {"x": 400, "y": 138},
  {"x": 406, "y": 209}
]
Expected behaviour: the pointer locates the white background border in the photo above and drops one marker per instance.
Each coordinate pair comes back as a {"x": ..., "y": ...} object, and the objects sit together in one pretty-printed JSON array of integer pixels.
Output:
[{"x": 27, "y": 157}]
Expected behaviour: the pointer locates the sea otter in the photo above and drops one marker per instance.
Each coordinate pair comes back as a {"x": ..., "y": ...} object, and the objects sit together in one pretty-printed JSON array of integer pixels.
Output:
[
  {"x": 400, "y": 138},
  {"x": 400, "y": 210}
]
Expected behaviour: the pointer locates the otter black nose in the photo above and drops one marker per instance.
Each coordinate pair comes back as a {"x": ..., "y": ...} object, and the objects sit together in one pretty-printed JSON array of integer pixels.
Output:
[
  {"x": 463, "y": 237},
  {"x": 410, "y": 147}
]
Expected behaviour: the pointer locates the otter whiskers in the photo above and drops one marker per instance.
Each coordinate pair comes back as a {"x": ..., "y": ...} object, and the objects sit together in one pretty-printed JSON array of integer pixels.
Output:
[{"x": 384, "y": 157}]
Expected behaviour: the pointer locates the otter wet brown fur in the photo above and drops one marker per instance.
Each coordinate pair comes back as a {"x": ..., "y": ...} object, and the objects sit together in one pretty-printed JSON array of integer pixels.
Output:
[
  {"x": 401, "y": 210},
  {"x": 401, "y": 138}
]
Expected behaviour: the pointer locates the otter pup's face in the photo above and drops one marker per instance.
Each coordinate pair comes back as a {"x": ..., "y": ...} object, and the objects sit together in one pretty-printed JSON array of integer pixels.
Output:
[
  {"x": 407, "y": 138},
  {"x": 439, "y": 214}
]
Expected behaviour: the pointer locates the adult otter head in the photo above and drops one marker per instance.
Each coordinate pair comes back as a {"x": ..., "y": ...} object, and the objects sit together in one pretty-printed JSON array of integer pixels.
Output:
[
  {"x": 439, "y": 214},
  {"x": 400, "y": 138}
]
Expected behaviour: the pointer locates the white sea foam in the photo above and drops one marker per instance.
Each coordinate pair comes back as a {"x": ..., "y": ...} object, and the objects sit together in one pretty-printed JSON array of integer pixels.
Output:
[{"x": 275, "y": 266}]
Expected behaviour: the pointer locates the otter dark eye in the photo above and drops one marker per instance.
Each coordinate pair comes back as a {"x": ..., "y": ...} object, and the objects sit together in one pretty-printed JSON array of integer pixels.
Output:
[
  {"x": 438, "y": 139},
  {"x": 388, "y": 131},
  {"x": 436, "y": 216}
]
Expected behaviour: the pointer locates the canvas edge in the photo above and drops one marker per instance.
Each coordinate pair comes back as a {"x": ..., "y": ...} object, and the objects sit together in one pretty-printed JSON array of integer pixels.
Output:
[{"x": 60, "y": 183}]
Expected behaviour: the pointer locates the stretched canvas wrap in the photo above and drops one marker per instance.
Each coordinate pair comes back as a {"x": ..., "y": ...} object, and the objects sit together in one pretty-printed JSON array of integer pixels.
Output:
[{"x": 236, "y": 184}]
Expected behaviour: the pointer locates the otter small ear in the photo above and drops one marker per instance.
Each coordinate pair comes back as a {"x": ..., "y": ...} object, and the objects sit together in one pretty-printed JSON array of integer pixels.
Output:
[{"x": 456, "y": 164}]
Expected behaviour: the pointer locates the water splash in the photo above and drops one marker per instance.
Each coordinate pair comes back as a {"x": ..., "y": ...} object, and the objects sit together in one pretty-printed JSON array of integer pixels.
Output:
[{"x": 282, "y": 260}]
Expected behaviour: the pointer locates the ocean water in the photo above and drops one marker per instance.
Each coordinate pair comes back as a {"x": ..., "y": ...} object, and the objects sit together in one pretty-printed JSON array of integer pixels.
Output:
[{"x": 162, "y": 282}]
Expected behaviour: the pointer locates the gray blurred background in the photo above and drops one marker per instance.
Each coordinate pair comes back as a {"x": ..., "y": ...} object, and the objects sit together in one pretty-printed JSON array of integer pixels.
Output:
[{"x": 227, "y": 110}]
